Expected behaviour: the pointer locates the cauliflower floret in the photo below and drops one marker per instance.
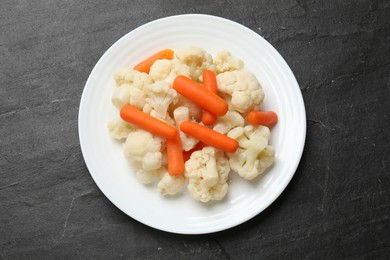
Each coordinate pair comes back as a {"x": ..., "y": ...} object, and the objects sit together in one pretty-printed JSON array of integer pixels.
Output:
[
  {"x": 207, "y": 171},
  {"x": 119, "y": 129},
  {"x": 229, "y": 121},
  {"x": 143, "y": 152},
  {"x": 182, "y": 114},
  {"x": 197, "y": 59},
  {"x": 225, "y": 62},
  {"x": 254, "y": 155},
  {"x": 195, "y": 111},
  {"x": 243, "y": 88},
  {"x": 170, "y": 185},
  {"x": 129, "y": 88},
  {"x": 159, "y": 96},
  {"x": 168, "y": 70}
]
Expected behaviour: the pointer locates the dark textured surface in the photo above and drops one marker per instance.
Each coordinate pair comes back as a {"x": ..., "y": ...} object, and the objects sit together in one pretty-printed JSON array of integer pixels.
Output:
[{"x": 338, "y": 203}]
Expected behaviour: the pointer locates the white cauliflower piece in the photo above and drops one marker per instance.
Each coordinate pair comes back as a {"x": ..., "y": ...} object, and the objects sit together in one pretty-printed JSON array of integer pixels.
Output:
[
  {"x": 180, "y": 115},
  {"x": 168, "y": 70},
  {"x": 159, "y": 96},
  {"x": 225, "y": 62},
  {"x": 243, "y": 89},
  {"x": 119, "y": 129},
  {"x": 229, "y": 121},
  {"x": 197, "y": 59},
  {"x": 129, "y": 88},
  {"x": 254, "y": 155},
  {"x": 170, "y": 185},
  {"x": 143, "y": 152},
  {"x": 207, "y": 171},
  {"x": 195, "y": 111}
]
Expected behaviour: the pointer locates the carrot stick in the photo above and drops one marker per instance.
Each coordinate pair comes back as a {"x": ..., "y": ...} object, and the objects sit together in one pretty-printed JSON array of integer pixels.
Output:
[
  {"x": 200, "y": 96},
  {"x": 175, "y": 156},
  {"x": 210, "y": 82},
  {"x": 144, "y": 66},
  {"x": 262, "y": 117},
  {"x": 209, "y": 136},
  {"x": 133, "y": 115},
  {"x": 198, "y": 146}
]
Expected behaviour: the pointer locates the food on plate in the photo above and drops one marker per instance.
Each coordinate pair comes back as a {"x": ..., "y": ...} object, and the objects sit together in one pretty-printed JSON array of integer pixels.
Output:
[
  {"x": 241, "y": 89},
  {"x": 145, "y": 65},
  {"x": 200, "y": 95},
  {"x": 207, "y": 171},
  {"x": 187, "y": 119},
  {"x": 254, "y": 154},
  {"x": 175, "y": 156},
  {"x": 209, "y": 136},
  {"x": 262, "y": 117},
  {"x": 132, "y": 115},
  {"x": 210, "y": 83}
]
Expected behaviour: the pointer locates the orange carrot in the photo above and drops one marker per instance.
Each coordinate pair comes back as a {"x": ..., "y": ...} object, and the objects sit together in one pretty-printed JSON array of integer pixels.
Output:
[
  {"x": 200, "y": 96},
  {"x": 198, "y": 146},
  {"x": 175, "y": 156},
  {"x": 133, "y": 115},
  {"x": 210, "y": 83},
  {"x": 144, "y": 66},
  {"x": 262, "y": 117},
  {"x": 209, "y": 136}
]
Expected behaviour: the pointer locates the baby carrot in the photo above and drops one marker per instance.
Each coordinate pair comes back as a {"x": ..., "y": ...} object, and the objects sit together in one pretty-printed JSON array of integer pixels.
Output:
[
  {"x": 200, "y": 96},
  {"x": 210, "y": 83},
  {"x": 133, "y": 115},
  {"x": 187, "y": 154},
  {"x": 144, "y": 66},
  {"x": 209, "y": 136},
  {"x": 262, "y": 117},
  {"x": 175, "y": 156}
]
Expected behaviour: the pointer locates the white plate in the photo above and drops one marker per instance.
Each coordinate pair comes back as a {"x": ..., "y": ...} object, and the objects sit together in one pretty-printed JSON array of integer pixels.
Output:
[{"x": 104, "y": 156}]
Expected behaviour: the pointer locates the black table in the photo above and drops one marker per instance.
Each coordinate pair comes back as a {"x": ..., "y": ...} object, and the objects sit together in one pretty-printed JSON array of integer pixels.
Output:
[{"x": 337, "y": 205}]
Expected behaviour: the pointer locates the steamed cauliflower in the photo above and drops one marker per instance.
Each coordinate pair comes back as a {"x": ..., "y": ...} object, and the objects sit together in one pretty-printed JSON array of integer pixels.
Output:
[
  {"x": 243, "y": 89},
  {"x": 170, "y": 185},
  {"x": 225, "y": 62},
  {"x": 254, "y": 155},
  {"x": 120, "y": 129},
  {"x": 197, "y": 59},
  {"x": 143, "y": 152},
  {"x": 207, "y": 171},
  {"x": 229, "y": 121},
  {"x": 180, "y": 115},
  {"x": 168, "y": 70},
  {"x": 129, "y": 88},
  {"x": 159, "y": 96}
]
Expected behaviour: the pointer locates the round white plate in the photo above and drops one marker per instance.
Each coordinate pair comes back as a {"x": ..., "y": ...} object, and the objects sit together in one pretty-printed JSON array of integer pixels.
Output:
[{"x": 104, "y": 156}]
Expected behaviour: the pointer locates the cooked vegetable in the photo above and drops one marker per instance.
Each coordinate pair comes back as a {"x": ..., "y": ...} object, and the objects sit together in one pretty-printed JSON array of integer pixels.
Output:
[
  {"x": 171, "y": 185},
  {"x": 196, "y": 59},
  {"x": 132, "y": 115},
  {"x": 262, "y": 118},
  {"x": 200, "y": 96},
  {"x": 241, "y": 89},
  {"x": 254, "y": 155},
  {"x": 144, "y": 66},
  {"x": 144, "y": 153},
  {"x": 175, "y": 156},
  {"x": 229, "y": 121},
  {"x": 182, "y": 114},
  {"x": 209, "y": 136},
  {"x": 207, "y": 171},
  {"x": 187, "y": 154},
  {"x": 210, "y": 83}
]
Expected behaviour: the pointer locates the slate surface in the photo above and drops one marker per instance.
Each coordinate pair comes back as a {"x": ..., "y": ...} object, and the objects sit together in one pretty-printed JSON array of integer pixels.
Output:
[{"x": 337, "y": 205}]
